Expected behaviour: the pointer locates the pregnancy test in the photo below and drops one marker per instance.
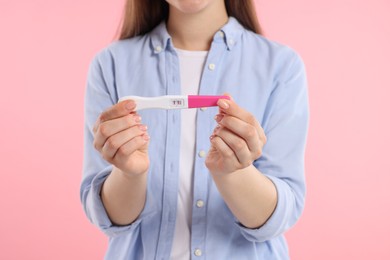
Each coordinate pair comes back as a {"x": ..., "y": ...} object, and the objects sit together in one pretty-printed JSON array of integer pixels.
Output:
[{"x": 174, "y": 101}]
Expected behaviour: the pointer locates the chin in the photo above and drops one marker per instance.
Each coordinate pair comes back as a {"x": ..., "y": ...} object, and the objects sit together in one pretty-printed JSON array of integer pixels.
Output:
[{"x": 189, "y": 6}]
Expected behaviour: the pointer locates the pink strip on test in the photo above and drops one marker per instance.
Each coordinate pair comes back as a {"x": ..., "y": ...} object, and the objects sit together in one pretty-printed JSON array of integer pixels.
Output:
[{"x": 204, "y": 101}]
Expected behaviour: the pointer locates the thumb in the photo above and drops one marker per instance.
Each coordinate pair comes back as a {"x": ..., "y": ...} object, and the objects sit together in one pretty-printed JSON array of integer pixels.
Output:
[{"x": 228, "y": 94}]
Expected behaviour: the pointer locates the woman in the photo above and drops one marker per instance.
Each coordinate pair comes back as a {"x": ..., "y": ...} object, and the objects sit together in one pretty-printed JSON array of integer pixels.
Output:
[{"x": 217, "y": 183}]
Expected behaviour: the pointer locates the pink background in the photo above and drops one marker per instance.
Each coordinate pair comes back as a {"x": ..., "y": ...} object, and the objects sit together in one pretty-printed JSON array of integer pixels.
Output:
[{"x": 46, "y": 47}]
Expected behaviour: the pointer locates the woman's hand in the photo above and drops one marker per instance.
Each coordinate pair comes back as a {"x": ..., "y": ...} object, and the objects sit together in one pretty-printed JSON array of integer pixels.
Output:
[
  {"x": 237, "y": 140},
  {"x": 121, "y": 138}
]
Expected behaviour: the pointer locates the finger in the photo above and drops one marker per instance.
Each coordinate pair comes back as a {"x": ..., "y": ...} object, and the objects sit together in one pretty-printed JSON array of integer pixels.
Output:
[
  {"x": 111, "y": 127},
  {"x": 114, "y": 142},
  {"x": 231, "y": 108},
  {"x": 137, "y": 143},
  {"x": 225, "y": 94},
  {"x": 224, "y": 150},
  {"x": 237, "y": 145},
  {"x": 228, "y": 94},
  {"x": 242, "y": 129},
  {"x": 119, "y": 110}
]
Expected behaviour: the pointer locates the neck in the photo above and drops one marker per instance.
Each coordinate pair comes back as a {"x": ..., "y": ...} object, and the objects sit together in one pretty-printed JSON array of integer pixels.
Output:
[{"x": 195, "y": 31}]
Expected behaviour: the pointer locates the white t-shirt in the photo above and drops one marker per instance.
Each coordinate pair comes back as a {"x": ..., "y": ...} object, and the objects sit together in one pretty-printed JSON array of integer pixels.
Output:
[{"x": 191, "y": 67}]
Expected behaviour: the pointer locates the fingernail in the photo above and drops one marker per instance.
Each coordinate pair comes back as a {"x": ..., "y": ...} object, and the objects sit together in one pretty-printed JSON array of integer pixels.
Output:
[
  {"x": 218, "y": 118},
  {"x": 137, "y": 118},
  {"x": 223, "y": 104},
  {"x": 130, "y": 105},
  {"x": 143, "y": 127},
  {"x": 146, "y": 137},
  {"x": 216, "y": 129}
]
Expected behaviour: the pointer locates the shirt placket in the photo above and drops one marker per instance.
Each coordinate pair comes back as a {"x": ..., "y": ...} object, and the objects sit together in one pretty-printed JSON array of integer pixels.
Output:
[
  {"x": 171, "y": 167},
  {"x": 204, "y": 127}
]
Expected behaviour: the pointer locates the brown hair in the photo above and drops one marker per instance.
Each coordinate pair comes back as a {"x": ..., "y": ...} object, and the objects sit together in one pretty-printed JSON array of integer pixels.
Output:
[{"x": 141, "y": 16}]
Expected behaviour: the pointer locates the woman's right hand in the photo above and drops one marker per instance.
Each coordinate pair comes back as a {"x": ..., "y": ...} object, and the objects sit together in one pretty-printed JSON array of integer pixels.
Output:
[{"x": 121, "y": 139}]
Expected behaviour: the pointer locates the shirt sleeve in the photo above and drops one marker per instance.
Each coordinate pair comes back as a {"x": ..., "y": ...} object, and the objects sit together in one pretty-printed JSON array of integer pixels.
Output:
[
  {"x": 285, "y": 124},
  {"x": 100, "y": 95}
]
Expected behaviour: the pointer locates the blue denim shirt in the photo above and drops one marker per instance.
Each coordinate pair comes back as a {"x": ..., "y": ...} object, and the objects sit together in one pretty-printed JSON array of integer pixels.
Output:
[{"x": 265, "y": 78}]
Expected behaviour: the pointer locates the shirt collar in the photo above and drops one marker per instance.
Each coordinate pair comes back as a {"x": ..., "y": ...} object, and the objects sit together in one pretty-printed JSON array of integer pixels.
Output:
[{"x": 229, "y": 34}]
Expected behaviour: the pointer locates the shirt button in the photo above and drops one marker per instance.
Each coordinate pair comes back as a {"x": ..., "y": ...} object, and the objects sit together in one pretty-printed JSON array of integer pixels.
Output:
[
  {"x": 221, "y": 34},
  {"x": 202, "y": 153},
  {"x": 203, "y": 108},
  {"x": 211, "y": 66},
  {"x": 231, "y": 42},
  {"x": 200, "y": 203},
  {"x": 158, "y": 48},
  {"x": 198, "y": 252}
]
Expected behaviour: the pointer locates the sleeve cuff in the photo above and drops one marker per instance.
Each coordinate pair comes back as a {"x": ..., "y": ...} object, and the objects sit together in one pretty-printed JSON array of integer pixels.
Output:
[
  {"x": 97, "y": 213},
  {"x": 280, "y": 218}
]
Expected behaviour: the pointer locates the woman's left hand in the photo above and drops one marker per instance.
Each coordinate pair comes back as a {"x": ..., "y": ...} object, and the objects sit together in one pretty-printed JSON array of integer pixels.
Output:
[{"x": 237, "y": 140}]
